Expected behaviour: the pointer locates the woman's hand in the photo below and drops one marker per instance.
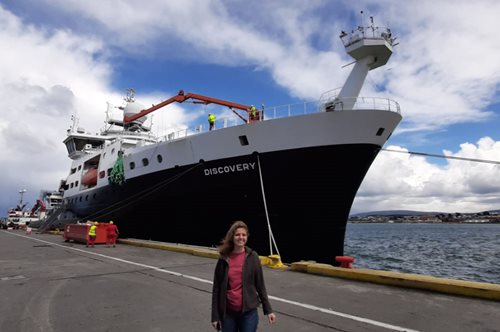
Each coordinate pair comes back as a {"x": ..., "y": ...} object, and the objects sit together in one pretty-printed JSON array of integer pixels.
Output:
[
  {"x": 272, "y": 318},
  {"x": 216, "y": 325}
]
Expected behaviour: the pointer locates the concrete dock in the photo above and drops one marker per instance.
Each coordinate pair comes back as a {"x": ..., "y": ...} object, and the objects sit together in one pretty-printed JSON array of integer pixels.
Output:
[{"x": 49, "y": 285}]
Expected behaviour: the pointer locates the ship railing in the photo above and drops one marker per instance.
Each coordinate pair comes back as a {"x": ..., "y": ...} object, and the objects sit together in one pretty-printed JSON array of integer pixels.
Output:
[
  {"x": 288, "y": 110},
  {"x": 138, "y": 135},
  {"x": 370, "y": 32},
  {"x": 361, "y": 103},
  {"x": 329, "y": 101},
  {"x": 222, "y": 122}
]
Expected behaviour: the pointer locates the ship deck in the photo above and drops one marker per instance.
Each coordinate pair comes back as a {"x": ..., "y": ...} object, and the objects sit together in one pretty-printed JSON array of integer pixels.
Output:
[{"x": 49, "y": 285}]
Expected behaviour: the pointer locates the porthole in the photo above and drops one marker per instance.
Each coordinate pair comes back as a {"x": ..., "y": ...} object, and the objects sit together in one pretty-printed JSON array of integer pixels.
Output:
[
  {"x": 145, "y": 161},
  {"x": 160, "y": 158},
  {"x": 87, "y": 197},
  {"x": 72, "y": 185},
  {"x": 76, "y": 183},
  {"x": 132, "y": 165},
  {"x": 101, "y": 175},
  {"x": 112, "y": 150},
  {"x": 109, "y": 171}
]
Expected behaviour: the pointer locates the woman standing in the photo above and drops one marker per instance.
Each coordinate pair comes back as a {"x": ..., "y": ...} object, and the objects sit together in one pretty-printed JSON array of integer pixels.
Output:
[{"x": 238, "y": 285}]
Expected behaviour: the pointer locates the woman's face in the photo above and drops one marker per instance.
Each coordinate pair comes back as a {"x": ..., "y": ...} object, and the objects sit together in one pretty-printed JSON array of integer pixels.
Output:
[{"x": 240, "y": 238}]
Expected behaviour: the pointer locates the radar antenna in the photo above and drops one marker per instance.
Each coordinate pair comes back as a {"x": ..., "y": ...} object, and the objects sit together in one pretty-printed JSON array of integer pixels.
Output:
[
  {"x": 130, "y": 97},
  {"x": 74, "y": 123}
]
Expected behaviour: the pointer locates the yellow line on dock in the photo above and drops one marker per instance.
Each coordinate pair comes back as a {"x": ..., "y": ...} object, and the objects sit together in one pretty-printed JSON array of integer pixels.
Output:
[{"x": 482, "y": 290}]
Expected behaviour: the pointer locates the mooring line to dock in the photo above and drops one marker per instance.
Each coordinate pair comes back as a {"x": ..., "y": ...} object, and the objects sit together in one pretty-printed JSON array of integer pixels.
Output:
[
  {"x": 486, "y": 161},
  {"x": 271, "y": 235},
  {"x": 186, "y": 276}
]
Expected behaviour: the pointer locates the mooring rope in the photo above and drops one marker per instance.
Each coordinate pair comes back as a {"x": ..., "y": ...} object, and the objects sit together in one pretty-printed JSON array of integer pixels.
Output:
[
  {"x": 445, "y": 157},
  {"x": 271, "y": 235}
]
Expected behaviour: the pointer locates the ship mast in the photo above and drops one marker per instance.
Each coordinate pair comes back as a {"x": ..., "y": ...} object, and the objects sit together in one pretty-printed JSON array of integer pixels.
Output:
[
  {"x": 371, "y": 47},
  {"x": 21, "y": 192}
]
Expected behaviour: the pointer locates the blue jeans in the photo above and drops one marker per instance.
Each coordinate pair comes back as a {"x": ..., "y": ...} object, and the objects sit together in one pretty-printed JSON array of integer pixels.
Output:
[{"x": 242, "y": 322}]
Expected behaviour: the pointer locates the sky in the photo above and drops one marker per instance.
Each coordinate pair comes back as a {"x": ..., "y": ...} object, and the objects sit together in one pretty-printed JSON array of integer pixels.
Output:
[{"x": 64, "y": 58}]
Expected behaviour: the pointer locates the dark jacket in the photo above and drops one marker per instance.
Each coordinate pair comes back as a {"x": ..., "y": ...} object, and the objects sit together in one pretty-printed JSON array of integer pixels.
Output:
[{"x": 253, "y": 287}]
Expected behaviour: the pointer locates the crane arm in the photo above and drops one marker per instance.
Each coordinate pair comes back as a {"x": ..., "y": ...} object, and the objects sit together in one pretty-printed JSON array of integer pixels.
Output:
[{"x": 181, "y": 97}]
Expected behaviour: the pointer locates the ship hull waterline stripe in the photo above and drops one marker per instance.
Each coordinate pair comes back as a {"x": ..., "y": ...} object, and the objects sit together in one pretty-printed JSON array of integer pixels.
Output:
[{"x": 279, "y": 299}]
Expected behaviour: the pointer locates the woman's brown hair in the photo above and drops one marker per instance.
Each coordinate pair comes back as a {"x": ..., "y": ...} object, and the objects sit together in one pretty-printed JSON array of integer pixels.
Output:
[{"x": 227, "y": 244}]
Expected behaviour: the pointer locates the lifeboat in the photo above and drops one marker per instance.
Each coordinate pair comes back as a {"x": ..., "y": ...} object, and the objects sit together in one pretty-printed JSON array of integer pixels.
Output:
[{"x": 90, "y": 178}]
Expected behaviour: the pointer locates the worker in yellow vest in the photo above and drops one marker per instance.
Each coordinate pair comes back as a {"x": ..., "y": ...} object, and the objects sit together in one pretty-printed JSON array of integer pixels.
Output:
[
  {"x": 211, "y": 121},
  {"x": 92, "y": 234},
  {"x": 253, "y": 113}
]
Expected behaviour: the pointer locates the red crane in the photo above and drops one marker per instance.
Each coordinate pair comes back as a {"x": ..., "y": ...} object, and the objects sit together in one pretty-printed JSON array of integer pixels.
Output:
[{"x": 198, "y": 99}]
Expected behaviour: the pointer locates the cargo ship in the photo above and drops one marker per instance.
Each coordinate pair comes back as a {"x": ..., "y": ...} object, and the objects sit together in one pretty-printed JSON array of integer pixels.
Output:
[{"x": 292, "y": 178}]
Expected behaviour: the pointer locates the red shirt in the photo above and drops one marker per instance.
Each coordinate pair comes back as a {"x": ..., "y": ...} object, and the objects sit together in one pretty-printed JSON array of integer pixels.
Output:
[
  {"x": 111, "y": 230},
  {"x": 234, "y": 288}
]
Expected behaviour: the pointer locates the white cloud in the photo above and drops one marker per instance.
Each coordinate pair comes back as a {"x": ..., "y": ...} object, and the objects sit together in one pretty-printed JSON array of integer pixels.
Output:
[
  {"x": 277, "y": 39},
  {"x": 444, "y": 71},
  {"x": 46, "y": 76},
  {"x": 411, "y": 182},
  {"x": 444, "y": 67}
]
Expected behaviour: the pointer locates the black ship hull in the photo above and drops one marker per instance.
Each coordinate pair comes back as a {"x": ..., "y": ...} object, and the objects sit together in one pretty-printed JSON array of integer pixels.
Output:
[{"x": 308, "y": 194}]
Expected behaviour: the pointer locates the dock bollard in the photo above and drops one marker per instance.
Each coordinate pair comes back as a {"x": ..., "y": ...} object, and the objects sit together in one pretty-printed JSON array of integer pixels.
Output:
[{"x": 345, "y": 261}]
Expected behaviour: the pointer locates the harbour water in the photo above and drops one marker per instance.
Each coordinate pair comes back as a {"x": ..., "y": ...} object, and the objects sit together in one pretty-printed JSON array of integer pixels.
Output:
[{"x": 456, "y": 251}]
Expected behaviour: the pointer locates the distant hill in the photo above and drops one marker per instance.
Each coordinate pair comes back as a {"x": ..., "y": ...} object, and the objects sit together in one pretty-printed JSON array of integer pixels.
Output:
[
  {"x": 406, "y": 213},
  {"x": 393, "y": 213}
]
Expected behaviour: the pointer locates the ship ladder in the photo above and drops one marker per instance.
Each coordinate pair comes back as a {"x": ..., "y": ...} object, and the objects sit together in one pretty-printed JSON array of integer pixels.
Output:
[{"x": 274, "y": 260}]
